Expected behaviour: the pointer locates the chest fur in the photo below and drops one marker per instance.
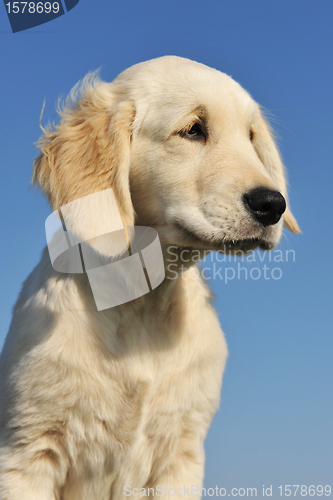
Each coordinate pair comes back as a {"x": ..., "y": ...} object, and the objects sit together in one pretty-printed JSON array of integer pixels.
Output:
[{"x": 143, "y": 404}]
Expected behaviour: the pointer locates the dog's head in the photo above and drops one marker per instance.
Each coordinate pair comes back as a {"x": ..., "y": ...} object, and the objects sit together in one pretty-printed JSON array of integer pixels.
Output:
[{"x": 185, "y": 149}]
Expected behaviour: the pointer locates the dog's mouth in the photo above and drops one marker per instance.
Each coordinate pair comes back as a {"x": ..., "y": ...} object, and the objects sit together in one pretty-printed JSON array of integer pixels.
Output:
[{"x": 221, "y": 244}]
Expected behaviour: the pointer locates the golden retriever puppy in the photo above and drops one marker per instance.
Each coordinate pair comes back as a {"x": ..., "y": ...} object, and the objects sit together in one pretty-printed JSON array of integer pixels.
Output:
[{"x": 96, "y": 405}]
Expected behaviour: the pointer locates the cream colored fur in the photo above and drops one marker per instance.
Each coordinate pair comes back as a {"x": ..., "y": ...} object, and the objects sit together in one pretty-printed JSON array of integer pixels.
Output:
[{"x": 92, "y": 401}]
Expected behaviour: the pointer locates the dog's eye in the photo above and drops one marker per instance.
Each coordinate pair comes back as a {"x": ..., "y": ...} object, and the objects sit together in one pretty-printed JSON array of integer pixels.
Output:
[
  {"x": 251, "y": 135},
  {"x": 195, "y": 132}
]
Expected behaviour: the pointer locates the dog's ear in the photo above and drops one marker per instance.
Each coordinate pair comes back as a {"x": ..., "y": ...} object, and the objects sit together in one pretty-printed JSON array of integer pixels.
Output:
[
  {"x": 267, "y": 151},
  {"x": 89, "y": 152}
]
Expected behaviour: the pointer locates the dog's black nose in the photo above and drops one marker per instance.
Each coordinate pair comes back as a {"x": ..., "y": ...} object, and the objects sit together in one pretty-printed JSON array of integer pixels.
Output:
[{"x": 265, "y": 205}]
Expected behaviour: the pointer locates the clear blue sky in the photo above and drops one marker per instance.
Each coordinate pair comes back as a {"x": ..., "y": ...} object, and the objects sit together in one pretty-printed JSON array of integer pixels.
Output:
[{"x": 275, "y": 421}]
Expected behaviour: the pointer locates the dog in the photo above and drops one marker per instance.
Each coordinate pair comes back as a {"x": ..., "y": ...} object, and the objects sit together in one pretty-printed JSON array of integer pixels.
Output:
[{"x": 100, "y": 405}]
